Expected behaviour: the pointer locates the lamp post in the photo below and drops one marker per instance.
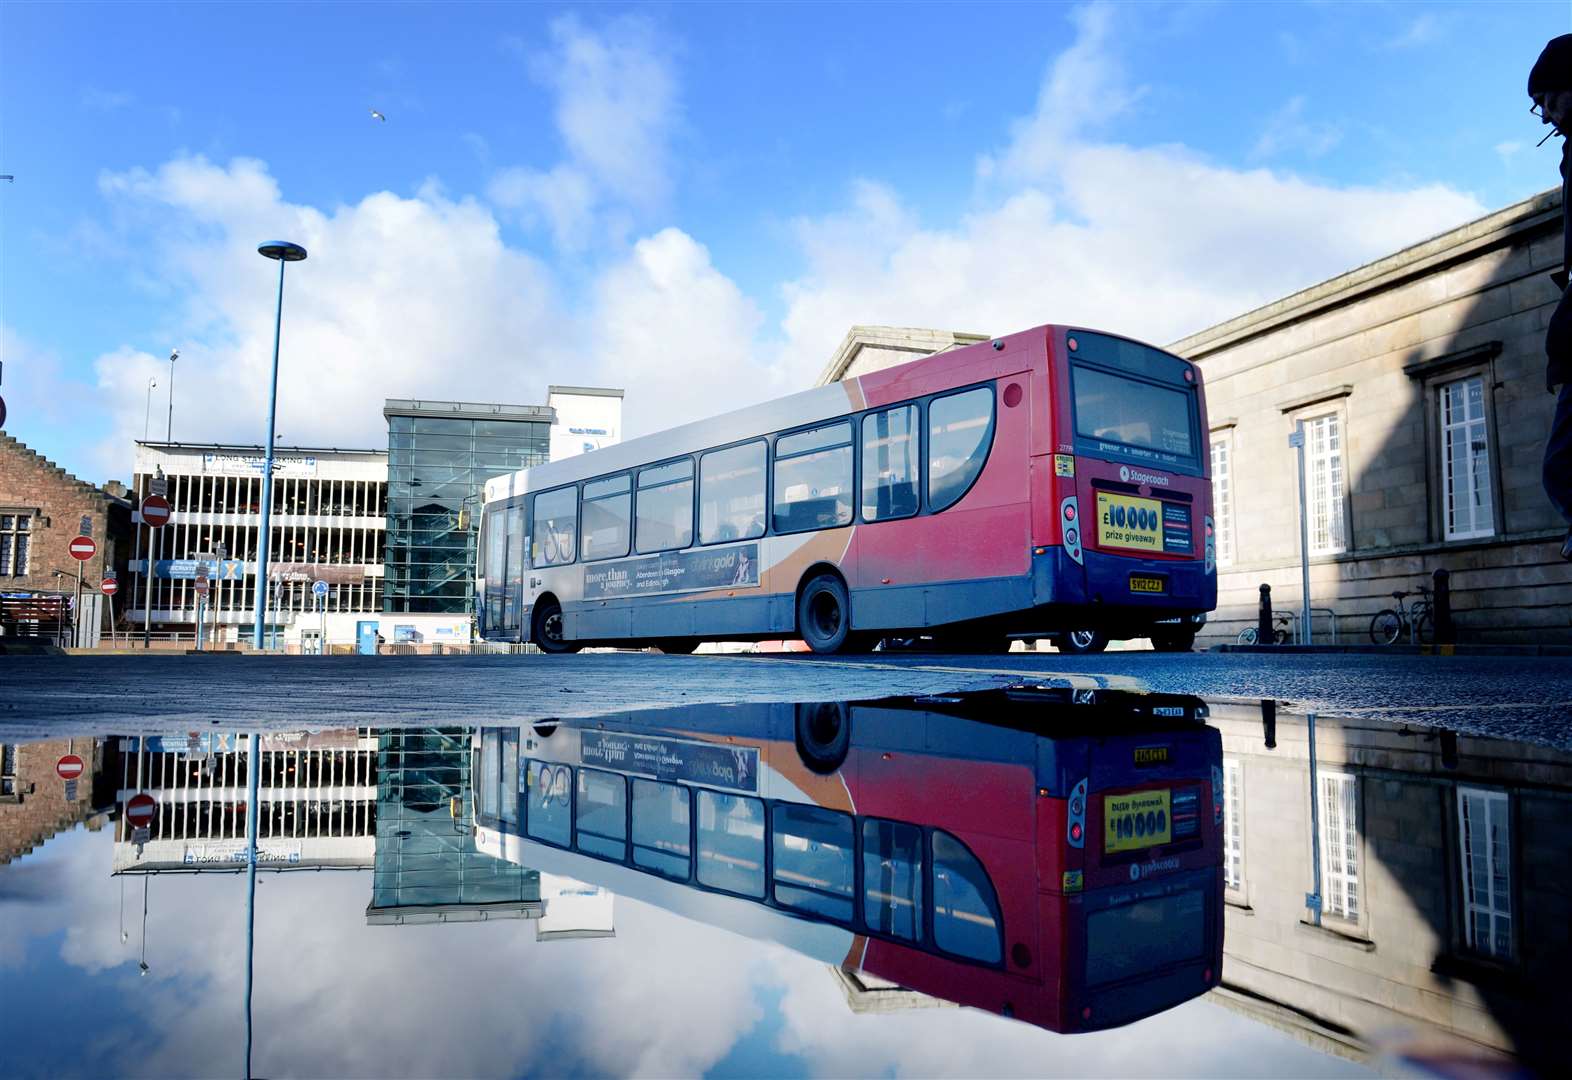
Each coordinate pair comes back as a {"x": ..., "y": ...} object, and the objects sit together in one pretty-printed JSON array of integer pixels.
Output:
[
  {"x": 284, "y": 252},
  {"x": 147, "y": 413},
  {"x": 169, "y": 431}
]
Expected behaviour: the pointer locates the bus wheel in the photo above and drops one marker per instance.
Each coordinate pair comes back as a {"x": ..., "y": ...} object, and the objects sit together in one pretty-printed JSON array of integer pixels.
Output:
[
  {"x": 1081, "y": 642},
  {"x": 546, "y": 629},
  {"x": 1173, "y": 640},
  {"x": 677, "y": 646},
  {"x": 823, "y": 735},
  {"x": 824, "y": 614}
]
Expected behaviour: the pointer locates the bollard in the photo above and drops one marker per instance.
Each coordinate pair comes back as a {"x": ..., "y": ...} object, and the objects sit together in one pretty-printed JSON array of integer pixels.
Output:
[
  {"x": 1441, "y": 603},
  {"x": 1263, "y": 618},
  {"x": 1269, "y": 722}
]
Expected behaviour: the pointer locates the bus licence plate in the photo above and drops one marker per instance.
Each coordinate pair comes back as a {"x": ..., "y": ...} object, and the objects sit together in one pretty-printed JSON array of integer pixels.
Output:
[
  {"x": 1142, "y": 583},
  {"x": 1128, "y": 522},
  {"x": 1136, "y": 820}
]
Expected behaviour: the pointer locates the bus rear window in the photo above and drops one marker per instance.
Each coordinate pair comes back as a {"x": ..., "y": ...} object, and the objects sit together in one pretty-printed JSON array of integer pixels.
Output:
[
  {"x": 1144, "y": 937},
  {"x": 1113, "y": 408}
]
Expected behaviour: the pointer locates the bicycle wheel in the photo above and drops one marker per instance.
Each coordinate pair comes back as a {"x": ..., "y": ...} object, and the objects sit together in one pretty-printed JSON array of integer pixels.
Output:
[
  {"x": 1386, "y": 627},
  {"x": 1246, "y": 636},
  {"x": 1279, "y": 636},
  {"x": 1424, "y": 631}
]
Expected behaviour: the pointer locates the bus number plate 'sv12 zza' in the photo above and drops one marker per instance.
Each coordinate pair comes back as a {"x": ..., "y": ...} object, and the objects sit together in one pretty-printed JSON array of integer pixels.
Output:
[{"x": 1139, "y": 819}]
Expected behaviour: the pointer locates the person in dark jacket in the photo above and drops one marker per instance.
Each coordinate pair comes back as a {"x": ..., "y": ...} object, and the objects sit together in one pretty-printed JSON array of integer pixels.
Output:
[{"x": 1550, "y": 87}]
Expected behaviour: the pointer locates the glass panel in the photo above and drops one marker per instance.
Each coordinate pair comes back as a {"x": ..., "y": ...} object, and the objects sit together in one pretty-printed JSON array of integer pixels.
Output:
[
  {"x": 731, "y": 494},
  {"x": 803, "y": 441},
  {"x": 602, "y": 814},
  {"x": 889, "y": 464},
  {"x": 660, "y": 828},
  {"x": 1222, "y": 500},
  {"x": 959, "y": 427},
  {"x": 549, "y": 789},
  {"x": 513, "y": 594},
  {"x": 606, "y": 525},
  {"x": 666, "y": 474},
  {"x": 813, "y": 860},
  {"x": 1144, "y": 937},
  {"x": 554, "y": 533},
  {"x": 813, "y": 491},
  {"x": 1324, "y": 464},
  {"x": 612, "y": 485},
  {"x": 665, "y": 515},
  {"x": 892, "y": 878},
  {"x": 507, "y": 780},
  {"x": 433, "y": 426},
  {"x": 496, "y": 564},
  {"x": 731, "y": 843},
  {"x": 965, "y": 909},
  {"x": 1117, "y": 409}
]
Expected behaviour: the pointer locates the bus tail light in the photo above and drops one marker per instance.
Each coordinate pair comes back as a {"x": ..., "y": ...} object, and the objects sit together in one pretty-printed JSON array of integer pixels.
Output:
[
  {"x": 1075, "y": 829},
  {"x": 1068, "y": 512},
  {"x": 1211, "y": 548},
  {"x": 1217, "y": 795}
]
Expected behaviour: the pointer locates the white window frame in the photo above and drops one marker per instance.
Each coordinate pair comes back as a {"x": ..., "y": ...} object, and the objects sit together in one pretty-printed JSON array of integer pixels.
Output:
[
  {"x": 1233, "y": 825},
  {"x": 1326, "y": 482},
  {"x": 1223, "y": 495},
  {"x": 1339, "y": 812},
  {"x": 18, "y": 567},
  {"x": 1495, "y": 904},
  {"x": 1481, "y": 519}
]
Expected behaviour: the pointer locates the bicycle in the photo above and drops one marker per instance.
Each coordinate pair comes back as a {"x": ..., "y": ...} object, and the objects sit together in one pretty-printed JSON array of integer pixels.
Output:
[
  {"x": 1280, "y": 634},
  {"x": 1415, "y": 620}
]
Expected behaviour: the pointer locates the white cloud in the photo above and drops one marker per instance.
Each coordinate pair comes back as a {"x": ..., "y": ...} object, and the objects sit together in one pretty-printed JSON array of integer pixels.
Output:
[
  {"x": 1289, "y": 131},
  {"x": 1423, "y": 29},
  {"x": 1509, "y": 149},
  {"x": 101, "y": 100}
]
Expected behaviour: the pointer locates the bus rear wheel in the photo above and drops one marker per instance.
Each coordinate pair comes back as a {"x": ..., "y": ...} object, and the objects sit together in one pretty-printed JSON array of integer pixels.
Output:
[
  {"x": 824, "y": 615},
  {"x": 1081, "y": 642},
  {"x": 546, "y": 629},
  {"x": 1173, "y": 640}
]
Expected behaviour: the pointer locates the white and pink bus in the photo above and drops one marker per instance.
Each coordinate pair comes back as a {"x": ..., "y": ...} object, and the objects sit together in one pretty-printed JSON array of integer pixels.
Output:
[{"x": 1051, "y": 481}]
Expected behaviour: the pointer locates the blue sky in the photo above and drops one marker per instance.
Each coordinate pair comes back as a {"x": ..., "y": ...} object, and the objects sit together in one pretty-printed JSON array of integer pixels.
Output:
[{"x": 692, "y": 201}]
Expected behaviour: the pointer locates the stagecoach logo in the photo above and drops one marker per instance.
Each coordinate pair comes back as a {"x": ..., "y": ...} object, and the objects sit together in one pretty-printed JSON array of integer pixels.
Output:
[
  {"x": 1137, "y": 476},
  {"x": 1156, "y": 866}
]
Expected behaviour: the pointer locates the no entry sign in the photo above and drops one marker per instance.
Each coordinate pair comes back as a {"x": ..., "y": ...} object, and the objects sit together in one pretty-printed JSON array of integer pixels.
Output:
[
  {"x": 109, "y": 586},
  {"x": 69, "y": 767},
  {"x": 155, "y": 510},
  {"x": 83, "y": 548},
  {"x": 139, "y": 811}
]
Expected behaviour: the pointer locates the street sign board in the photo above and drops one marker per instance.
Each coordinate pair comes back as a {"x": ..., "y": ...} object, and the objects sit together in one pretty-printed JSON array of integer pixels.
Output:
[
  {"x": 155, "y": 510},
  {"x": 109, "y": 586},
  {"x": 139, "y": 811},
  {"x": 83, "y": 548},
  {"x": 2, "y": 412},
  {"x": 158, "y": 486},
  {"x": 319, "y": 588},
  {"x": 69, "y": 767},
  {"x": 200, "y": 584},
  {"x": 86, "y": 526}
]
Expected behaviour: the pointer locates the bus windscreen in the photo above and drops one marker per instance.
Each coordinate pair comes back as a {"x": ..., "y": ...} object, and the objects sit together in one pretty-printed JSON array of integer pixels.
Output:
[
  {"x": 1145, "y": 936},
  {"x": 1116, "y": 409}
]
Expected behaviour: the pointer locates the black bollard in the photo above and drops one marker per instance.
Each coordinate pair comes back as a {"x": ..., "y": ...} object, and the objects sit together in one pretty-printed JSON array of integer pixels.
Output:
[
  {"x": 1269, "y": 722},
  {"x": 1441, "y": 604},
  {"x": 1263, "y": 618}
]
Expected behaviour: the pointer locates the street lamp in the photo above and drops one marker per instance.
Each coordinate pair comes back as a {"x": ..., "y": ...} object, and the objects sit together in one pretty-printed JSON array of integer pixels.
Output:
[
  {"x": 147, "y": 413},
  {"x": 284, "y": 252},
  {"x": 169, "y": 432}
]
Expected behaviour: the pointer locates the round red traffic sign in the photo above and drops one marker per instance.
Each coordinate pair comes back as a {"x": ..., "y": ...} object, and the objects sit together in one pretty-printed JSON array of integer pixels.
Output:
[
  {"x": 110, "y": 586},
  {"x": 69, "y": 767},
  {"x": 83, "y": 548},
  {"x": 139, "y": 811},
  {"x": 155, "y": 510}
]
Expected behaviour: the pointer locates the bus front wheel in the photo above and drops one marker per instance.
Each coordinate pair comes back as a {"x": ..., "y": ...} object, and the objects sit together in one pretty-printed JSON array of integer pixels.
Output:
[
  {"x": 824, "y": 615},
  {"x": 546, "y": 629},
  {"x": 1081, "y": 642}
]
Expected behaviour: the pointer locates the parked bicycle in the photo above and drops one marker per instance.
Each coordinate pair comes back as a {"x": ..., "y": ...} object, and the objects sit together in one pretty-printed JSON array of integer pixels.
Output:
[
  {"x": 1280, "y": 632},
  {"x": 1415, "y": 621}
]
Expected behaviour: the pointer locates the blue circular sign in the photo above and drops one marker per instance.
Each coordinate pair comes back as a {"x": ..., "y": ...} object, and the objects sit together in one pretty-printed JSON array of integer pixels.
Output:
[{"x": 319, "y": 588}]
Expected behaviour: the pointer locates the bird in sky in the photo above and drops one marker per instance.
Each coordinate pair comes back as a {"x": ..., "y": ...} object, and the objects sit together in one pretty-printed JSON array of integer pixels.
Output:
[{"x": 378, "y": 116}]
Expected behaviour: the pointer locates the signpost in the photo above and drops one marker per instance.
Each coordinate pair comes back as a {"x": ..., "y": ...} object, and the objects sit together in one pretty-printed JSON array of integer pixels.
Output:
[
  {"x": 319, "y": 589},
  {"x": 139, "y": 815},
  {"x": 109, "y": 586},
  {"x": 69, "y": 768},
  {"x": 200, "y": 585},
  {"x": 83, "y": 548}
]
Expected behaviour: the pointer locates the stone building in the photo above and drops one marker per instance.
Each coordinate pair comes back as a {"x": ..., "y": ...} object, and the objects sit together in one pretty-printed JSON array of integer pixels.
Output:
[
  {"x": 1419, "y": 380},
  {"x": 33, "y": 803},
  {"x": 42, "y": 509},
  {"x": 870, "y": 348}
]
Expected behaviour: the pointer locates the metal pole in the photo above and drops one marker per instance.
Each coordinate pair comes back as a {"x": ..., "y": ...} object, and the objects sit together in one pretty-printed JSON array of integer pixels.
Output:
[
  {"x": 1313, "y": 897},
  {"x": 252, "y": 814},
  {"x": 1298, "y": 441},
  {"x": 267, "y": 469},
  {"x": 76, "y": 611},
  {"x": 198, "y": 634},
  {"x": 147, "y": 588},
  {"x": 169, "y": 430}
]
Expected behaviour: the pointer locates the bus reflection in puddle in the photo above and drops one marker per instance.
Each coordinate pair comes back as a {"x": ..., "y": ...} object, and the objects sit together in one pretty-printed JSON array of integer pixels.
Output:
[{"x": 1046, "y": 854}]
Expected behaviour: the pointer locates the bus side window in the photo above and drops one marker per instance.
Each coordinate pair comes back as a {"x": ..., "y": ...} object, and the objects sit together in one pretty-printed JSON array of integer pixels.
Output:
[
  {"x": 731, "y": 843},
  {"x": 664, "y": 510},
  {"x": 495, "y": 545},
  {"x": 608, "y": 523},
  {"x": 506, "y": 784},
  {"x": 555, "y": 527},
  {"x": 892, "y": 878},
  {"x": 813, "y": 860},
  {"x": 813, "y": 479},
  {"x": 660, "y": 828},
  {"x": 550, "y": 797},
  {"x": 965, "y": 908},
  {"x": 488, "y": 776},
  {"x": 960, "y": 427},
  {"x": 731, "y": 494},
  {"x": 601, "y": 827},
  {"x": 889, "y": 464}
]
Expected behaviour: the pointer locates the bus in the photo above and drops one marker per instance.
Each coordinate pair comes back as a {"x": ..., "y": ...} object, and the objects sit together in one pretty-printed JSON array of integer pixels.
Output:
[
  {"x": 1045, "y": 482},
  {"x": 1053, "y": 856}
]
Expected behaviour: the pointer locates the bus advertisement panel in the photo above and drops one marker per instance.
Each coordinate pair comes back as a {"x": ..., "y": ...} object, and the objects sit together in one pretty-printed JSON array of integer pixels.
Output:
[
  {"x": 1059, "y": 862},
  {"x": 1047, "y": 481}
]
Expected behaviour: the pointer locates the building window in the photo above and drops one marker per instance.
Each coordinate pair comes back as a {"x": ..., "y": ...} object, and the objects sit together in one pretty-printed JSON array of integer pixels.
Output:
[
  {"x": 7, "y": 769},
  {"x": 1484, "y": 836},
  {"x": 16, "y": 534},
  {"x": 1223, "y": 497},
  {"x": 1466, "y": 505},
  {"x": 1233, "y": 824},
  {"x": 1324, "y": 478},
  {"x": 1339, "y": 846}
]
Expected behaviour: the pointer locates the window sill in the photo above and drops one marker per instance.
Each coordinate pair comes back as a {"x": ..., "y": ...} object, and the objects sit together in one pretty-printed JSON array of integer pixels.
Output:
[
  {"x": 1346, "y": 935},
  {"x": 1239, "y": 904},
  {"x": 1479, "y": 970}
]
